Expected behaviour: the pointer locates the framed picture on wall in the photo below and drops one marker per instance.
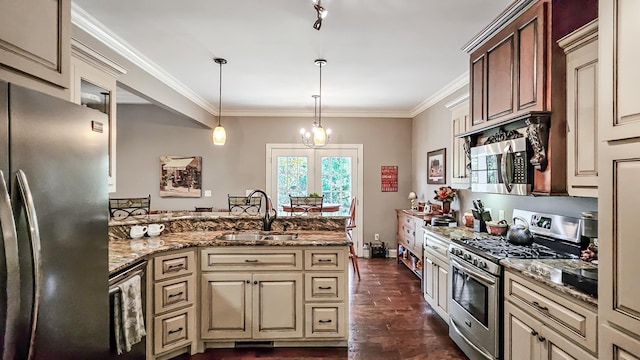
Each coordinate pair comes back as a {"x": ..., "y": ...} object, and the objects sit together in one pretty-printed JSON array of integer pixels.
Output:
[
  {"x": 180, "y": 176},
  {"x": 437, "y": 166}
]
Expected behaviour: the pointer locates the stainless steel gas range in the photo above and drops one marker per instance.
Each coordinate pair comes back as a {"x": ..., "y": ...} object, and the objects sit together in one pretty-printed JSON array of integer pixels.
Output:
[{"x": 475, "y": 275}]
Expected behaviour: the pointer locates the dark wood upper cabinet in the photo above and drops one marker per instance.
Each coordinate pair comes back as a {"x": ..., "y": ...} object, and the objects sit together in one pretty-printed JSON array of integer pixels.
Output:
[{"x": 517, "y": 69}]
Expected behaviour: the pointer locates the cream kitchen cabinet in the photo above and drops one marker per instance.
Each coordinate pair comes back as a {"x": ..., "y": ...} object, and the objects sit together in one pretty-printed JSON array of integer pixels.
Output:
[
  {"x": 93, "y": 84},
  {"x": 249, "y": 305},
  {"x": 543, "y": 324},
  {"x": 408, "y": 234},
  {"x": 527, "y": 338},
  {"x": 619, "y": 175},
  {"x": 436, "y": 274},
  {"x": 581, "y": 48},
  {"x": 173, "y": 326},
  {"x": 34, "y": 44},
  {"x": 460, "y": 123}
]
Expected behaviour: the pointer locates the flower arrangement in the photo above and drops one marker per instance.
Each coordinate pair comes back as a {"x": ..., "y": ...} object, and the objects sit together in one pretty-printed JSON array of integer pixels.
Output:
[{"x": 445, "y": 194}]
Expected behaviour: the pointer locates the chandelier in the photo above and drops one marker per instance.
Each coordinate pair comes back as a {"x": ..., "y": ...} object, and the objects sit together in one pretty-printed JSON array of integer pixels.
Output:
[{"x": 318, "y": 136}]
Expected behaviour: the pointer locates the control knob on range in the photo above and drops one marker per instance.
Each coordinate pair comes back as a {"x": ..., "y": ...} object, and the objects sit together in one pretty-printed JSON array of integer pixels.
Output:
[
  {"x": 475, "y": 261},
  {"x": 467, "y": 257},
  {"x": 482, "y": 264}
]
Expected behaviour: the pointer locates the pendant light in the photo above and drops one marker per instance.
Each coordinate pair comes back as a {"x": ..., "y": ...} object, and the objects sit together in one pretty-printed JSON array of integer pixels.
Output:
[
  {"x": 318, "y": 137},
  {"x": 219, "y": 134}
]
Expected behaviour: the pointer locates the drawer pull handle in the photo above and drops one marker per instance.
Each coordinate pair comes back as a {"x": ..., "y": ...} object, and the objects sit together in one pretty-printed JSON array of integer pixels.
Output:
[
  {"x": 543, "y": 308},
  {"x": 324, "y": 321},
  {"x": 542, "y": 339},
  {"x": 171, "y": 332},
  {"x": 324, "y": 287},
  {"x": 325, "y": 260},
  {"x": 175, "y": 267},
  {"x": 468, "y": 323},
  {"x": 251, "y": 261},
  {"x": 176, "y": 294},
  {"x": 534, "y": 333}
]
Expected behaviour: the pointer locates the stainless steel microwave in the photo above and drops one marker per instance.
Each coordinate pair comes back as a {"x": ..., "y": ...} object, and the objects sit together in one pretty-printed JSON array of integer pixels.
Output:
[{"x": 502, "y": 168}]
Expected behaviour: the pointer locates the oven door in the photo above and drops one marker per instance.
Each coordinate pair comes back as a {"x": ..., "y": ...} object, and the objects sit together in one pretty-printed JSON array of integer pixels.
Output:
[{"x": 473, "y": 309}]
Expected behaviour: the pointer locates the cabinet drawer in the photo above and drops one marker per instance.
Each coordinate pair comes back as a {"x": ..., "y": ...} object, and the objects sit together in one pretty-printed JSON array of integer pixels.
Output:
[
  {"x": 324, "y": 286},
  {"x": 568, "y": 317},
  {"x": 408, "y": 222},
  {"x": 173, "y": 330},
  {"x": 325, "y": 320},
  {"x": 174, "y": 293},
  {"x": 172, "y": 265},
  {"x": 225, "y": 259},
  {"x": 325, "y": 259},
  {"x": 615, "y": 344}
]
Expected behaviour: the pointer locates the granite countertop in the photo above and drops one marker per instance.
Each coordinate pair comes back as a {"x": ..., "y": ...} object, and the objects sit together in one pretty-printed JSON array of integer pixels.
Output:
[
  {"x": 189, "y": 215},
  {"x": 121, "y": 255},
  {"x": 452, "y": 232},
  {"x": 547, "y": 271}
]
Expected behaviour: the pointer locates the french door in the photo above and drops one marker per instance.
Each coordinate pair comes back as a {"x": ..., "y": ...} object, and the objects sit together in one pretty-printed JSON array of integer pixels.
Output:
[{"x": 333, "y": 171}]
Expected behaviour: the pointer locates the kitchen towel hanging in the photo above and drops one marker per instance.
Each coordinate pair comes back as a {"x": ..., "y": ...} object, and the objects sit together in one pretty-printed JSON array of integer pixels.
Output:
[{"x": 128, "y": 314}]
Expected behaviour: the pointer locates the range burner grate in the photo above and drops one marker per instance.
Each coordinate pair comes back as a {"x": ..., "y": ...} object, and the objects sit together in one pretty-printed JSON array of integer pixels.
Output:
[{"x": 500, "y": 248}]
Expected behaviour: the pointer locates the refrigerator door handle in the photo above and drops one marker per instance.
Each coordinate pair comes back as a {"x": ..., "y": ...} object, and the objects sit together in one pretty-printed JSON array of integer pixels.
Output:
[
  {"x": 34, "y": 234},
  {"x": 10, "y": 238}
]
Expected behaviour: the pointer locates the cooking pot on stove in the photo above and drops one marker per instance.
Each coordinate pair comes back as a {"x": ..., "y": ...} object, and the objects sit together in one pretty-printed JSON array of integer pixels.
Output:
[{"x": 519, "y": 234}]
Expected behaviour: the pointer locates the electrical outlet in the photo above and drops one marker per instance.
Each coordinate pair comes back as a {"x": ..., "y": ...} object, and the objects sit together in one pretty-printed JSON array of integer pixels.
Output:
[
  {"x": 376, "y": 237},
  {"x": 500, "y": 214},
  {"x": 207, "y": 193}
]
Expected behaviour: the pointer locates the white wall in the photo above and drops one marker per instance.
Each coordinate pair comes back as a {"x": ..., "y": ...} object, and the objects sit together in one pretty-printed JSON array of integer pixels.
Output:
[{"x": 145, "y": 132}]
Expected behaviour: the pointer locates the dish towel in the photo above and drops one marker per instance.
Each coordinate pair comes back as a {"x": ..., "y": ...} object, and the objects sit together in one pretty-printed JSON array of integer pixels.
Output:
[{"x": 128, "y": 315}]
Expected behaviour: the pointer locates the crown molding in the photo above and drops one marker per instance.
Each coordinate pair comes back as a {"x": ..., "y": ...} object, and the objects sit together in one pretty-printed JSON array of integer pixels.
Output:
[
  {"x": 96, "y": 29},
  {"x": 457, "y": 84},
  {"x": 456, "y": 102},
  {"x": 325, "y": 114}
]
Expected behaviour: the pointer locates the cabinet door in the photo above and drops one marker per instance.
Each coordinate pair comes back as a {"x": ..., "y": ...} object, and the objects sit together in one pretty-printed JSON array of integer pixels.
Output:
[
  {"x": 459, "y": 124},
  {"x": 443, "y": 294},
  {"x": 615, "y": 344},
  {"x": 521, "y": 333},
  {"x": 582, "y": 121},
  {"x": 557, "y": 347},
  {"x": 429, "y": 288},
  {"x": 477, "y": 90},
  {"x": 35, "y": 38},
  {"x": 277, "y": 306},
  {"x": 500, "y": 81},
  {"x": 226, "y": 306},
  {"x": 618, "y": 295},
  {"x": 619, "y": 56}
]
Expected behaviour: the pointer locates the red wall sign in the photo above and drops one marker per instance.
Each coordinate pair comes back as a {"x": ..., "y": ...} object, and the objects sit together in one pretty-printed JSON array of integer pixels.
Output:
[{"x": 389, "y": 178}]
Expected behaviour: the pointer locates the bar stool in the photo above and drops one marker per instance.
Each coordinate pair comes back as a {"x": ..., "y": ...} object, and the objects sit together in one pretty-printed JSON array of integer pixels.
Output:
[{"x": 351, "y": 224}]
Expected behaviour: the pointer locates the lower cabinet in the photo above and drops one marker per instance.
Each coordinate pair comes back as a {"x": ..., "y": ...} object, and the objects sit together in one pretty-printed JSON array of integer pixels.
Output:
[
  {"x": 616, "y": 344},
  {"x": 173, "y": 328},
  {"x": 251, "y": 306},
  {"x": 436, "y": 275},
  {"x": 542, "y": 324},
  {"x": 528, "y": 338}
]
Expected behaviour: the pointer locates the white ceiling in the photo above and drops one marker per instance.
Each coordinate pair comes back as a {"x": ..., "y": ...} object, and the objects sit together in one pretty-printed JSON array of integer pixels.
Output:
[{"x": 384, "y": 57}]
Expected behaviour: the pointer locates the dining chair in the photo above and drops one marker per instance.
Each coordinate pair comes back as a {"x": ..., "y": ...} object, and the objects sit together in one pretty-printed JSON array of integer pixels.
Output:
[
  {"x": 122, "y": 208},
  {"x": 351, "y": 224},
  {"x": 238, "y": 204},
  {"x": 306, "y": 204}
]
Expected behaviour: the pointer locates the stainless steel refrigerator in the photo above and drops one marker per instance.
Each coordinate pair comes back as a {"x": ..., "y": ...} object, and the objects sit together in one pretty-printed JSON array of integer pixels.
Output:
[{"x": 54, "y": 301}]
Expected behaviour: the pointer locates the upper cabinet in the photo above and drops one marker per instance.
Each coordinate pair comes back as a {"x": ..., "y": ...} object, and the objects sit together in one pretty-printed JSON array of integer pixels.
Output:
[
  {"x": 93, "y": 84},
  {"x": 34, "y": 43},
  {"x": 517, "y": 79},
  {"x": 581, "y": 47},
  {"x": 460, "y": 123}
]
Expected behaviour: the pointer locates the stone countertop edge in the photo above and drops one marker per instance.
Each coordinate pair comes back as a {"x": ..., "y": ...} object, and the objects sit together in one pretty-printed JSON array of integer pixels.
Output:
[
  {"x": 122, "y": 256},
  {"x": 162, "y": 217},
  {"x": 537, "y": 270}
]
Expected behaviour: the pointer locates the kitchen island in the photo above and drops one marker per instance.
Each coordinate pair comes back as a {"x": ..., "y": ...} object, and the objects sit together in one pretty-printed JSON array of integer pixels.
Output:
[{"x": 216, "y": 280}]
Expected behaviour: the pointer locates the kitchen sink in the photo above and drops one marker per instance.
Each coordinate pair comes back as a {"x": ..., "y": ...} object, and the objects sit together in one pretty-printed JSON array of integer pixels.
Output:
[{"x": 255, "y": 237}]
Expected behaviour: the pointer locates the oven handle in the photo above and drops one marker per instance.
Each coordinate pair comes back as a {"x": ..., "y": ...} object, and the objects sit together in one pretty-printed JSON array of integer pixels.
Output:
[
  {"x": 484, "y": 353},
  {"x": 472, "y": 272},
  {"x": 506, "y": 156}
]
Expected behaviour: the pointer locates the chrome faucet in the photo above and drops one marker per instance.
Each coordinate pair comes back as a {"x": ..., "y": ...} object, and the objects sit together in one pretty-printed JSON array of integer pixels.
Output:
[{"x": 267, "y": 220}]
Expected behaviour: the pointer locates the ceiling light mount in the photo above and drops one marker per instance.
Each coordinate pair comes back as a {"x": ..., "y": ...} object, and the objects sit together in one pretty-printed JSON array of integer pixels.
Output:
[{"x": 219, "y": 134}]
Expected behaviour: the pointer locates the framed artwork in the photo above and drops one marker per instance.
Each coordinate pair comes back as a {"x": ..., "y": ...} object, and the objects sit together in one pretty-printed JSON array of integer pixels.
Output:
[
  {"x": 437, "y": 166},
  {"x": 180, "y": 176},
  {"x": 389, "y": 178}
]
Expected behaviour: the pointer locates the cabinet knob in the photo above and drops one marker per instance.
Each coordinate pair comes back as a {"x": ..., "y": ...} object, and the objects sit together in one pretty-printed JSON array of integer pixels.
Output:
[
  {"x": 248, "y": 281},
  {"x": 255, "y": 282},
  {"x": 542, "y": 339},
  {"x": 534, "y": 333}
]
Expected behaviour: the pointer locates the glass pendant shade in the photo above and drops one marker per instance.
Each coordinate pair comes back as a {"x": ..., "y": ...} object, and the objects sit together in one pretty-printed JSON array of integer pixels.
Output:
[
  {"x": 319, "y": 136},
  {"x": 219, "y": 136}
]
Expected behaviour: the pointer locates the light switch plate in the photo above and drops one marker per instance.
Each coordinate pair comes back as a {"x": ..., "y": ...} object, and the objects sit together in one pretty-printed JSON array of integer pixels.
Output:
[{"x": 207, "y": 193}]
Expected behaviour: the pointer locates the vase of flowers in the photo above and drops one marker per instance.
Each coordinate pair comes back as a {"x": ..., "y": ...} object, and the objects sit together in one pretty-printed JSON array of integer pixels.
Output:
[{"x": 446, "y": 195}]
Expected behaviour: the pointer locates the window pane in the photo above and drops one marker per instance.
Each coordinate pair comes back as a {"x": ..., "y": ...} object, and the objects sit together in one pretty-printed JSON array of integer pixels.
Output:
[
  {"x": 292, "y": 178},
  {"x": 336, "y": 181}
]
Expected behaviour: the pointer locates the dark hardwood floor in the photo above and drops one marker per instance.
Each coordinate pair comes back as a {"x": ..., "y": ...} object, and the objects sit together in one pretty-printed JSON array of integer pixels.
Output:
[{"x": 389, "y": 321}]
